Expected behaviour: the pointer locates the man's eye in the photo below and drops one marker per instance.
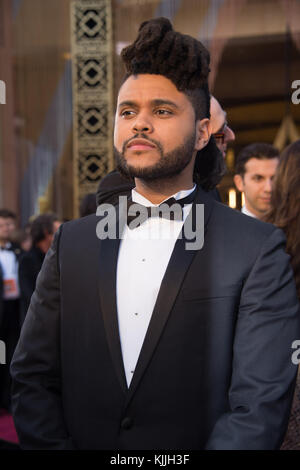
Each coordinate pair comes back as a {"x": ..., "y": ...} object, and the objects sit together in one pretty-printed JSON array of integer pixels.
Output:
[
  {"x": 257, "y": 178},
  {"x": 163, "y": 112},
  {"x": 126, "y": 113}
]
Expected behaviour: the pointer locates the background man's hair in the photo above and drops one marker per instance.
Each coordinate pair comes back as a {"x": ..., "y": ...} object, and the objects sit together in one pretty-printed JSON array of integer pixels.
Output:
[
  {"x": 41, "y": 226},
  {"x": 7, "y": 214},
  {"x": 160, "y": 50},
  {"x": 259, "y": 150}
]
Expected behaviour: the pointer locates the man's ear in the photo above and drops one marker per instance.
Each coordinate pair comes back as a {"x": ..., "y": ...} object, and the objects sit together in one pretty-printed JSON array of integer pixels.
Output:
[
  {"x": 239, "y": 182},
  {"x": 203, "y": 133}
]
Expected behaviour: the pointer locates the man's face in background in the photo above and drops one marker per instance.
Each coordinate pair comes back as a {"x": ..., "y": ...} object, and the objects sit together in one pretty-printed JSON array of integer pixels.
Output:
[
  {"x": 256, "y": 183},
  {"x": 7, "y": 228},
  {"x": 222, "y": 133}
]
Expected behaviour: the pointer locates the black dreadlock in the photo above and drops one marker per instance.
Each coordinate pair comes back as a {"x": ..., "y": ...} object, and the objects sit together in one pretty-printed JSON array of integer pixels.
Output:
[{"x": 160, "y": 50}]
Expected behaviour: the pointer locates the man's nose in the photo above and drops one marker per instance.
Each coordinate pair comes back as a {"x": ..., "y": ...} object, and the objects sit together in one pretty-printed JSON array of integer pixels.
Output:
[
  {"x": 142, "y": 123},
  {"x": 268, "y": 185},
  {"x": 229, "y": 134}
]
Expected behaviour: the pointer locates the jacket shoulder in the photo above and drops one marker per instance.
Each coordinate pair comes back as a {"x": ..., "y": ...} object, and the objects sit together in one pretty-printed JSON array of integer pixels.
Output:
[
  {"x": 242, "y": 236},
  {"x": 77, "y": 237},
  {"x": 233, "y": 220},
  {"x": 78, "y": 226}
]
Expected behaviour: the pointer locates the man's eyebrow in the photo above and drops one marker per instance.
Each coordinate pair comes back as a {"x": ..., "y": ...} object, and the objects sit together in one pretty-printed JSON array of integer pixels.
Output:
[
  {"x": 127, "y": 103},
  {"x": 161, "y": 102},
  {"x": 155, "y": 102}
]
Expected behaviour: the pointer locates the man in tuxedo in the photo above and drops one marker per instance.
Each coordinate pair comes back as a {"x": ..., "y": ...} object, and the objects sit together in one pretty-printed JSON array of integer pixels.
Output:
[
  {"x": 10, "y": 299},
  {"x": 142, "y": 341},
  {"x": 42, "y": 232}
]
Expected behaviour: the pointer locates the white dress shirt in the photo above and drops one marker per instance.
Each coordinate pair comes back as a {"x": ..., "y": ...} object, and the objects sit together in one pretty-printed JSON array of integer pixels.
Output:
[
  {"x": 245, "y": 211},
  {"x": 144, "y": 255},
  {"x": 9, "y": 264}
]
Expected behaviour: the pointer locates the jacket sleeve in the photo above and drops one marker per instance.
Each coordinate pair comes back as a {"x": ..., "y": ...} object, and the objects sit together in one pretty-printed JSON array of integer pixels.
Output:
[
  {"x": 27, "y": 283},
  {"x": 35, "y": 369},
  {"x": 263, "y": 375}
]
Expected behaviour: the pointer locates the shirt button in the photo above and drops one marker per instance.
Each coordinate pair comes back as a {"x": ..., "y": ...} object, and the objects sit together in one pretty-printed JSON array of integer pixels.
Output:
[{"x": 126, "y": 423}]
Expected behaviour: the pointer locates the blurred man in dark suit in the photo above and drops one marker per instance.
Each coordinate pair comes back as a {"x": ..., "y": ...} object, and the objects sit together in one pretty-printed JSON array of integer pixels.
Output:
[{"x": 42, "y": 232}]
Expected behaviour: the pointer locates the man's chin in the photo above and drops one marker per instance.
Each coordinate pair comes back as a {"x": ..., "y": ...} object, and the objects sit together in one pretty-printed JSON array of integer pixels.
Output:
[
  {"x": 143, "y": 172},
  {"x": 142, "y": 167},
  {"x": 141, "y": 161},
  {"x": 134, "y": 171},
  {"x": 265, "y": 207},
  {"x": 147, "y": 173},
  {"x": 262, "y": 210}
]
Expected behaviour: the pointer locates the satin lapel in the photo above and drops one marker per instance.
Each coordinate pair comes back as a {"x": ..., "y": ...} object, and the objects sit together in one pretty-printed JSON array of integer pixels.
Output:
[
  {"x": 109, "y": 249},
  {"x": 177, "y": 268}
]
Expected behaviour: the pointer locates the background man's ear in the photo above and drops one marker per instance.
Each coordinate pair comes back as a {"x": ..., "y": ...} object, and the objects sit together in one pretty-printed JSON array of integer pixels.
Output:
[
  {"x": 238, "y": 181},
  {"x": 203, "y": 133}
]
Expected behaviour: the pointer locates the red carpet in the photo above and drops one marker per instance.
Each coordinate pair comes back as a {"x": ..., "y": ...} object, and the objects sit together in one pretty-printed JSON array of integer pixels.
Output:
[{"x": 7, "y": 428}]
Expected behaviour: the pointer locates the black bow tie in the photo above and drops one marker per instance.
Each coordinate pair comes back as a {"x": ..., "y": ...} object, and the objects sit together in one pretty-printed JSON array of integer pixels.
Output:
[{"x": 171, "y": 209}]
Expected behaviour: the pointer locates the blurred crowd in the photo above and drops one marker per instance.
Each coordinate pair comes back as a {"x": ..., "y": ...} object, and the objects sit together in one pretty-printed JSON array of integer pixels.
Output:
[{"x": 21, "y": 257}]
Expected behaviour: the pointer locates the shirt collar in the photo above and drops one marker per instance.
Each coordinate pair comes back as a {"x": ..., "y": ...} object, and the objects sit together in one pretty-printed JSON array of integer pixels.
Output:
[
  {"x": 247, "y": 212},
  {"x": 136, "y": 197},
  {"x": 7, "y": 246}
]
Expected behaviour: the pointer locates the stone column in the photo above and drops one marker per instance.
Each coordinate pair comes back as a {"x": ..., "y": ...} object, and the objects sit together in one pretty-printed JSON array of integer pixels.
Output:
[{"x": 92, "y": 86}]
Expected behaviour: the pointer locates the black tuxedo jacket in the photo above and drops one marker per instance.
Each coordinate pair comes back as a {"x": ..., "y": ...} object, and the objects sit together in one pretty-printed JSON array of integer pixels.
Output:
[
  {"x": 215, "y": 369},
  {"x": 29, "y": 267}
]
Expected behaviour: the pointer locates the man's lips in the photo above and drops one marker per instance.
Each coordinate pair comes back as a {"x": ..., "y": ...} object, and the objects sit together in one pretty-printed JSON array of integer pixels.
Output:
[
  {"x": 140, "y": 144},
  {"x": 265, "y": 199}
]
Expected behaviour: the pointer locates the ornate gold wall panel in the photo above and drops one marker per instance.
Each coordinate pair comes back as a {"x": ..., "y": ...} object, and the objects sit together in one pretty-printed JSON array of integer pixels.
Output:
[{"x": 92, "y": 83}]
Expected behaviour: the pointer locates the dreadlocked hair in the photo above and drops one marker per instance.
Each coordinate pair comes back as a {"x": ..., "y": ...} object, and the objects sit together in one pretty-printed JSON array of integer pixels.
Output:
[{"x": 160, "y": 50}]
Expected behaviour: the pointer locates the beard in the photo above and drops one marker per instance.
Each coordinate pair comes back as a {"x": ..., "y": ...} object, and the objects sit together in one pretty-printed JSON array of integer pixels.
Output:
[{"x": 168, "y": 165}]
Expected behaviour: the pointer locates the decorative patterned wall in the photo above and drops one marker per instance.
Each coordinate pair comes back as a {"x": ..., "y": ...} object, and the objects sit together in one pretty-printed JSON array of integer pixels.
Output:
[{"x": 92, "y": 78}]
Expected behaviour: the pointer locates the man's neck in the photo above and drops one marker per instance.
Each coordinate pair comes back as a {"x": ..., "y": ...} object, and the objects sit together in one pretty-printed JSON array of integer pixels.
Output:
[
  {"x": 158, "y": 191},
  {"x": 3, "y": 243},
  {"x": 43, "y": 245},
  {"x": 252, "y": 212}
]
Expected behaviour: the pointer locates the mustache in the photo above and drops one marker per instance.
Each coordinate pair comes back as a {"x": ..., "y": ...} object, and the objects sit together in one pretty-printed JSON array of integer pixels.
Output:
[{"x": 142, "y": 136}]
